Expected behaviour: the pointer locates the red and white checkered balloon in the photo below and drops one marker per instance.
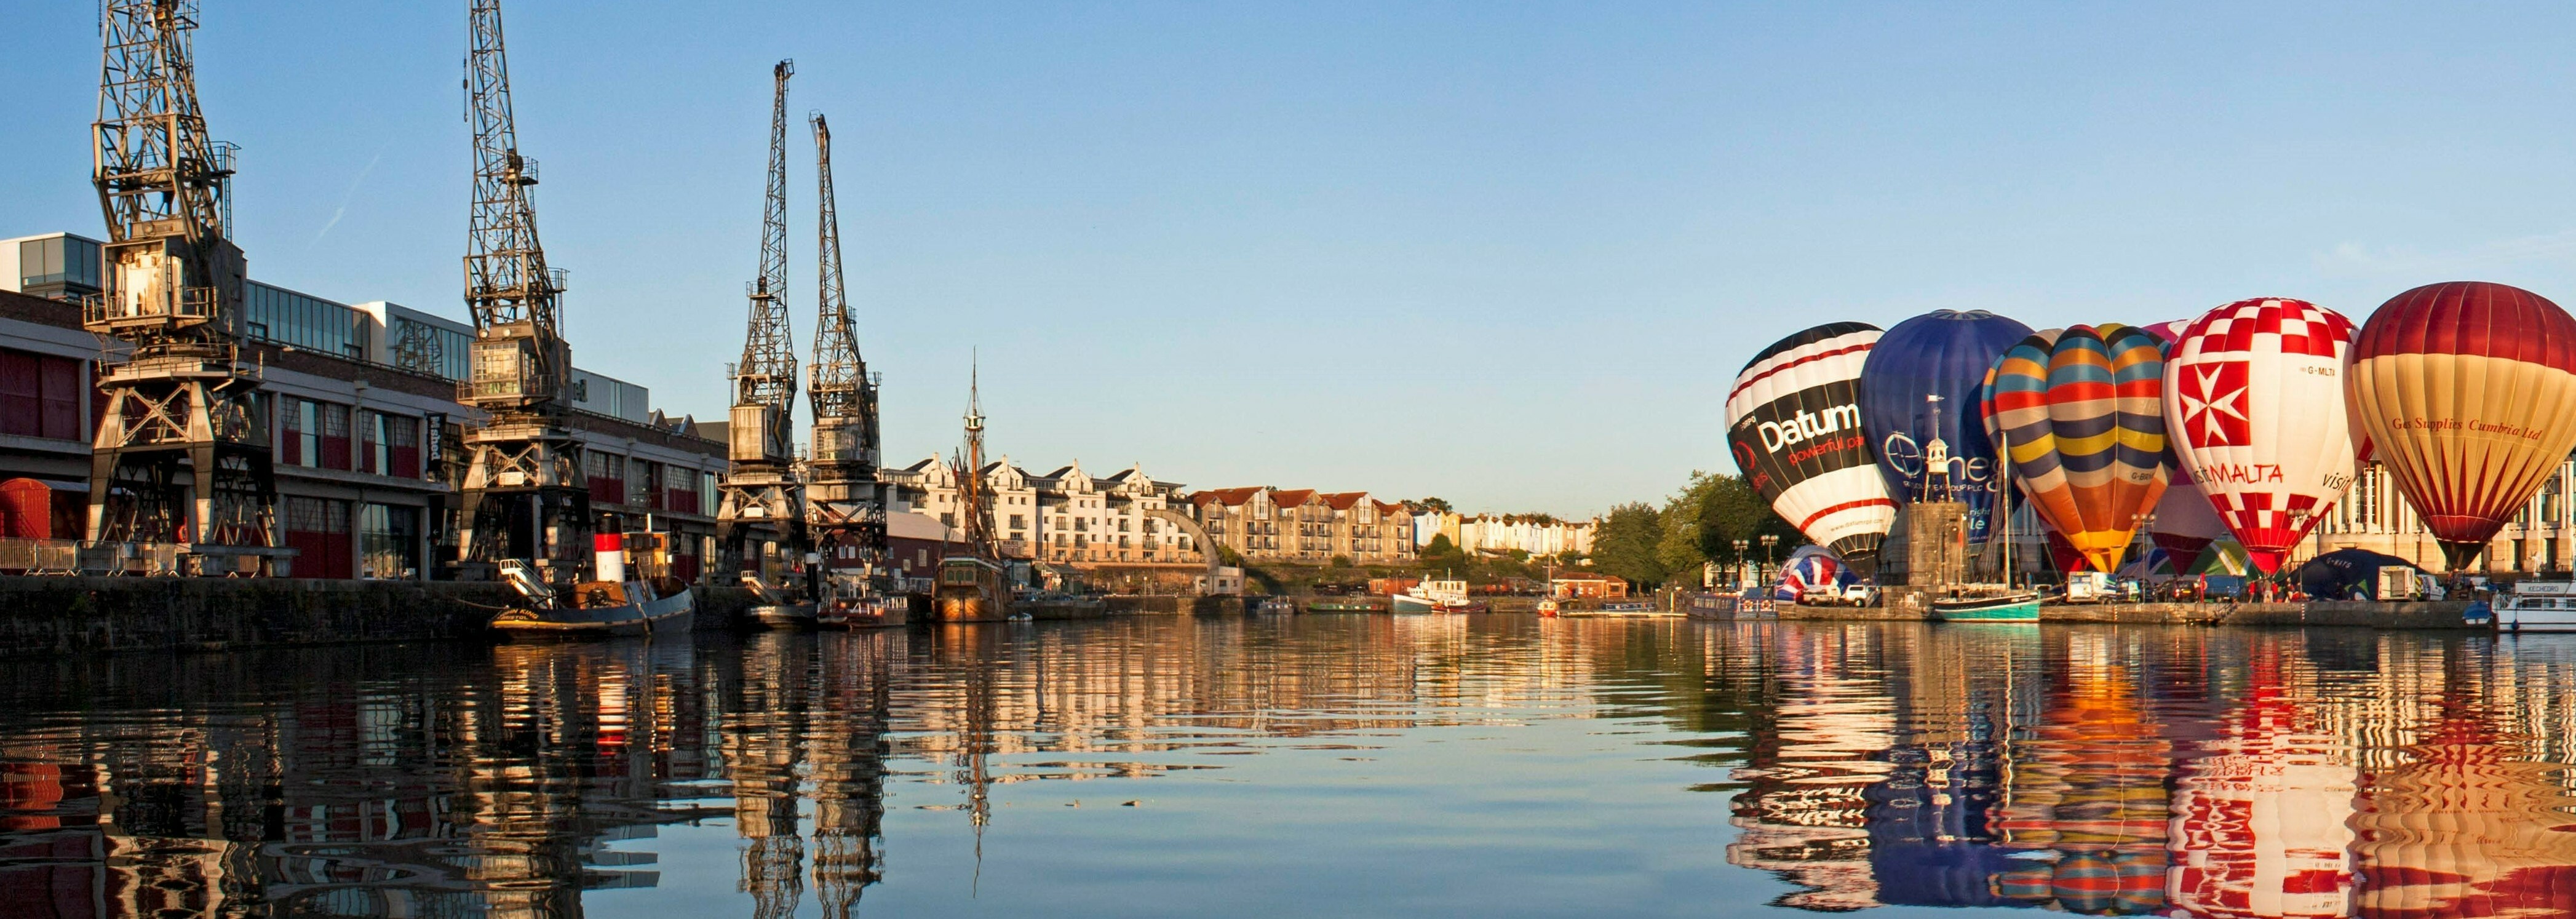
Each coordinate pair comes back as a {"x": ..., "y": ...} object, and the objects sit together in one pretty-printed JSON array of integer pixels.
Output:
[{"x": 2254, "y": 409}]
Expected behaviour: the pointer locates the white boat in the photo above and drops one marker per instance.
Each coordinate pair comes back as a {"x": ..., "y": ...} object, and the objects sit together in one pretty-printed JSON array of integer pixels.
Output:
[
  {"x": 1436, "y": 597},
  {"x": 2538, "y": 606}
]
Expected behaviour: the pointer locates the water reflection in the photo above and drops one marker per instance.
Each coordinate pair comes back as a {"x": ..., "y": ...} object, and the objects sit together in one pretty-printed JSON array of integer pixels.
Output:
[
  {"x": 2187, "y": 772},
  {"x": 2167, "y": 772}
]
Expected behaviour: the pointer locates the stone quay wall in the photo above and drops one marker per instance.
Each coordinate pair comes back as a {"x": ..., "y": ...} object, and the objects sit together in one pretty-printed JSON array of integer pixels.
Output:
[{"x": 83, "y": 615}]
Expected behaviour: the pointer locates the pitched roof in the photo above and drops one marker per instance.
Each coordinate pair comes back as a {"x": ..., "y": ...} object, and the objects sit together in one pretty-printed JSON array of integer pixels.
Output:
[
  {"x": 1344, "y": 500},
  {"x": 1230, "y": 497},
  {"x": 1385, "y": 507},
  {"x": 1280, "y": 497}
]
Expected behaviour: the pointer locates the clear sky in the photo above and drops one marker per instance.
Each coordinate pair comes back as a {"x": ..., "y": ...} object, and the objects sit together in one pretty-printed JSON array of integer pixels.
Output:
[{"x": 1509, "y": 254}]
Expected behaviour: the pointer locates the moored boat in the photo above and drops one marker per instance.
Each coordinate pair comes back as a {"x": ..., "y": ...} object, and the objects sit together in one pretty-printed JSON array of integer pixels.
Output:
[
  {"x": 1346, "y": 605},
  {"x": 971, "y": 588},
  {"x": 782, "y": 615},
  {"x": 594, "y": 609},
  {"x": 2537, "y": 606},
  {"x": 2010, "y": 606},
  {"x": 1436, "y": 597},
  {"x": 1547, "y": 608},
  {"x": 1276, "y": 606}
]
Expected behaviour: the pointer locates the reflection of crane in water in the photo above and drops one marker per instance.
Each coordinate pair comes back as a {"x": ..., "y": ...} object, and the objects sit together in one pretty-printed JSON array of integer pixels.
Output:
[
  {"x": 849, "y": 767},
  {"x": 767, "y": 741}
]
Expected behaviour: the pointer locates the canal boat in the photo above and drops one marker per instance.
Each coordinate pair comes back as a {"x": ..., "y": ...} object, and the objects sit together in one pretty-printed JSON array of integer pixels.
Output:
[
  {"x": 1346, "y": 605},
  {"x": 609, "y": 607},
  {"x": 2537, "y": 606}
]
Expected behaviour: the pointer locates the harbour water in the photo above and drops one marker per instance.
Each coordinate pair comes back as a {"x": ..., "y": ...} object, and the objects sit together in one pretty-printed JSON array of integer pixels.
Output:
[{"x": 1346, "y": 765}]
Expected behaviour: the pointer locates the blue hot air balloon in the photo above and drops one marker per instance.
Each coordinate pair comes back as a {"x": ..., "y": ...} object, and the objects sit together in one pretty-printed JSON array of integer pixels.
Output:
[{"x": 1921, "y": 384}]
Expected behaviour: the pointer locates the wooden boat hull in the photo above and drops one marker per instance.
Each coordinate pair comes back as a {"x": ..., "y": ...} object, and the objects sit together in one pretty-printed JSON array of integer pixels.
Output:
[
  {"x": 782, "y": 616},
  {"x": 969, "y": 609},
  {"x": 894, "y": 611},
  {"x": 1991, "y": 609},
  {"x": 671, "y": 614}
]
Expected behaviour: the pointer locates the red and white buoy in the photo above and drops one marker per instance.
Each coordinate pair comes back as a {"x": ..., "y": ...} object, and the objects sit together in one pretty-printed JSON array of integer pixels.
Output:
[{"x": 608, "y": 557}]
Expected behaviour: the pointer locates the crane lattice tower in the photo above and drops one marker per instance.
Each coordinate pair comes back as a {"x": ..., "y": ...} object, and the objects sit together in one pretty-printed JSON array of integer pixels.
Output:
[
  {"x": 182, "y": 451},
  {"x": 845, "y": 503},
  {"x": 525, "y": 493},
  {"x": 760, "y": 488}
]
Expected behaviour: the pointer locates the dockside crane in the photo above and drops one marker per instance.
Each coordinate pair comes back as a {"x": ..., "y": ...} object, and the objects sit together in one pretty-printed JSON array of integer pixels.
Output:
[
  {"x": 526, "y": 496},
  {"x": 760, "y": 487},
  {"x": 845, "y": 507},
  {"x": 182, "y": 450}
]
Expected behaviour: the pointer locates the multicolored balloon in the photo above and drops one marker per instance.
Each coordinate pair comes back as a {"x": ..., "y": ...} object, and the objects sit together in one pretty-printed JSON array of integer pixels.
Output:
[
  {"x": 2081, "y": 412},
  {"x": 1794, "y": 424},
  {"x": 1921, "y": 386},
  {"x": 2256, "y": 414},
  {"x": 2467, "y": 391}
]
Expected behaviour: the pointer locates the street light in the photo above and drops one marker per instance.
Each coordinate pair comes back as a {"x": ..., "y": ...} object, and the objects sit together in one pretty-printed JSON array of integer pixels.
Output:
[
  {"x": 1770, "y": 541},
  {"x": 1740, "y": 546}
]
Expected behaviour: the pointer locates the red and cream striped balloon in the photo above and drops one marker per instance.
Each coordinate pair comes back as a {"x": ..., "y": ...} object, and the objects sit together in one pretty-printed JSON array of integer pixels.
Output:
[
  {"x": 2254, "y": 407},
  {"x": 2467, "y": 391}
]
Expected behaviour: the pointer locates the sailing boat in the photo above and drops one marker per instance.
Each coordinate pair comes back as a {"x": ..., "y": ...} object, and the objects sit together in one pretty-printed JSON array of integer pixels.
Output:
[
  {"x": 1985, "y": 603},
  {"x": 972, "y": 585}
]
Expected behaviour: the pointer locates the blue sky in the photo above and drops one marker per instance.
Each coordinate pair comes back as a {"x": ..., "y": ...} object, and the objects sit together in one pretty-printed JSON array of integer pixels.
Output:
[{"x": 1507, "y": 254}]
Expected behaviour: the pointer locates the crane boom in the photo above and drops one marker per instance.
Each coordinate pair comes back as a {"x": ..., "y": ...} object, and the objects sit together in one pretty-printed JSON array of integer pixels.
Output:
[
  {"x": 760, "y": 488},
  {"x": 182, "y": 447}
]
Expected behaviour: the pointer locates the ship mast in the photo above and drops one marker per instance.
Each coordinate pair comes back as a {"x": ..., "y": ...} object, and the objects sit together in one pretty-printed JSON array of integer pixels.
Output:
[
  {"x": 760, "y": 486},
  {"x": 975, "y": 502},
  {"x": 182, "y": 448},
  {"x": 845, "y": 504},
  {"x": 526, "y": 496}
]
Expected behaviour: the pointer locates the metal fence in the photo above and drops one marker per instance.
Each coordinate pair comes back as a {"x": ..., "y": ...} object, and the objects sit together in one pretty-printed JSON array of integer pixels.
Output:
[{"x": 67, "y": 557}]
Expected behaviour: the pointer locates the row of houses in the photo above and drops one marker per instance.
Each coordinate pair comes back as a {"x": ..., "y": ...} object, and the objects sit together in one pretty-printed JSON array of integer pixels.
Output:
[
  {"x": 1302, "y": 525},
  {"x": 1504, "y": 534}
]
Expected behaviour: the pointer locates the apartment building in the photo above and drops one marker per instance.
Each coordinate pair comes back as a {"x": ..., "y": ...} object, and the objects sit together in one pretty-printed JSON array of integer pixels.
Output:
[
  {"x": 1067, "y": 516},
  {"x": 1306, "y": 526}
]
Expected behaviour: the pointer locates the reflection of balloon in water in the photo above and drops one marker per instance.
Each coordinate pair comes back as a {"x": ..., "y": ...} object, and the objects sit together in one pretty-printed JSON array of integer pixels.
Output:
[
  {"x": 2257, "y": 416},
  {"x": 2467, "y": 391},
  {"x": 2083, "y": 414},
  {"x": 1793, "y": 421},
  {"x": 1945, "y": 354}
]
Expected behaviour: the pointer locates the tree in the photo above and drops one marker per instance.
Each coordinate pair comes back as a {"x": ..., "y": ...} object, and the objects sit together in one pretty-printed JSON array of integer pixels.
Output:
[
  {"x": 1703, "y": 521},
  {"x": 1435, "y": 504},
  {"x": 1340, "y": 561},
  {"x": 1625, "y": 546}
]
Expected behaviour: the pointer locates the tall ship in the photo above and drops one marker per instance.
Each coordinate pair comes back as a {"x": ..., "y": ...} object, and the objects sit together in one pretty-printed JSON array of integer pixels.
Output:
[{"x": 973, "y": 584}]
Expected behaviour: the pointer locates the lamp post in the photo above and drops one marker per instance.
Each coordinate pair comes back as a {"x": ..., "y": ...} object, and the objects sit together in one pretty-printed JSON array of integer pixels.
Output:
[
  {"x": 1740, "y": 546},
  {"x": 1770, "y": 541}
]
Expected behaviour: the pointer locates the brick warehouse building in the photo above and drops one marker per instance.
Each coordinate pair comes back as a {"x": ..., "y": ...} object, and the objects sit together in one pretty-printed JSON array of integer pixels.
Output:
[{"x": 368, "y": 456}]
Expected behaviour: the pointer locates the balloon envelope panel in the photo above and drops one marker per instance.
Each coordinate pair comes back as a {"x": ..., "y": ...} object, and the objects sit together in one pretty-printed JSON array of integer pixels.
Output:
[
  {"x": 2467, "y": 391},
  {"x": 2082, "y": 412},
  {"x": 1943, "y": 354},
  {"x": 1794, "y": 424},
  {"x": 2257, "y": 415}
]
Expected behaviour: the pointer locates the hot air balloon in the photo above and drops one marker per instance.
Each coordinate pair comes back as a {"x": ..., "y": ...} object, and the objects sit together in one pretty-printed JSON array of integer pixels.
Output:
[
  {"x": 1793, "y": 421},
  {"x": 2185, "y": 524},
  {"x": 2256, "y": 414},
  {"x": 2082, "y": 415},
  {"x": 2467, "y": 391},
  {"x": 1920, "y": 386}
]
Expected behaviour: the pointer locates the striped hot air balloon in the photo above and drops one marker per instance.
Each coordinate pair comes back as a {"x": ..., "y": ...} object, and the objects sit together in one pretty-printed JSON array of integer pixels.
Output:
[
  {"x": 2083, "y": 413},
  {"x": 1919, "y": 394},
  {"x": 1793, "y": 422},
  {"x": 2256, "y": 411},
  {"x": 2467, "y": 391}
]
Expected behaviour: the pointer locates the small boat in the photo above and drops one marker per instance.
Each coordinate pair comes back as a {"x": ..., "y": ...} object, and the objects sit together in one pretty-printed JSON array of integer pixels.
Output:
[
  {"x": 1547, "y": 608},
  {"x": 782, "y": 616},
  {"x": 1437, "y": 597},
  {"x": 2537, "y": 606},
  {"x": 1627, "y": 606},
  {"x": 2014, "y": 606},
  {"x": 863, "y": 612},
  {"x": 595, "y": 609},
  {"x": 1276, "y": 606}
]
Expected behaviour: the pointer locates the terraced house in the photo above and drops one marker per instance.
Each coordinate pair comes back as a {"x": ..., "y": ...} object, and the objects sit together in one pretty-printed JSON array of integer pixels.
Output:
[{"x": 1306, "y": 526}]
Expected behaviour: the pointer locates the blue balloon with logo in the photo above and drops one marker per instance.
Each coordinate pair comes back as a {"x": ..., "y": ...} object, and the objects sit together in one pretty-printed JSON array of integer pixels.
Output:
[{"x": 1920, "y": 385}]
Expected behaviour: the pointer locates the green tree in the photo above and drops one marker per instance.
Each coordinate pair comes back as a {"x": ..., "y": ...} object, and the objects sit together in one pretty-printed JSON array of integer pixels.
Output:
[
  {"x": 1435, "y": 504},
  {"x": 1702, "y": 522},
  {"x": 1626, "y": 545}
]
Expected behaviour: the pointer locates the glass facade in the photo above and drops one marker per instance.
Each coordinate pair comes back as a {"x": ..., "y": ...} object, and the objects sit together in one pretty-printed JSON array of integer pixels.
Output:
[
  {"x": 389, "y": 541},
  {"x": 454, "y": 347},
  {"x": 58, "y": 264},
  {"x": 289, "y": 318}
]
